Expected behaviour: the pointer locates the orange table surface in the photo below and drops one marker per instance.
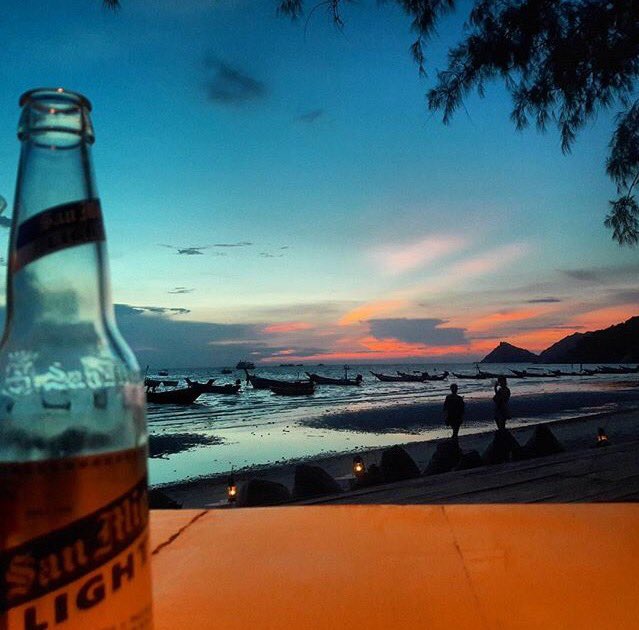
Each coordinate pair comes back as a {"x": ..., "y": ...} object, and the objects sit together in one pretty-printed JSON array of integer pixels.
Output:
[{"x": 427, "y": 567}]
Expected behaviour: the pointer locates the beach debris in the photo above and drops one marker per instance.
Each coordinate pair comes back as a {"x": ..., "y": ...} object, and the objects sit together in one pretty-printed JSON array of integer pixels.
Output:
[
  {"x": 159, "y": 500},
  {"x": 313, "y": 481},
  {"x": 542, "y": 442},
  {"x": 397, "y": 465},
  {"x": 262, "y": 492},
  {"x": 469, "y": 459},
  {"x": 602, "y": 438},
  {"x": 445, "y": 458},
  {"x": 503, "y": 448}
]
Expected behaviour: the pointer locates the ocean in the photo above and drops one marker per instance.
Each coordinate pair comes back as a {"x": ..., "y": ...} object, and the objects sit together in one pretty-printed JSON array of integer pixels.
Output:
[{"x": 257, "y": 428}]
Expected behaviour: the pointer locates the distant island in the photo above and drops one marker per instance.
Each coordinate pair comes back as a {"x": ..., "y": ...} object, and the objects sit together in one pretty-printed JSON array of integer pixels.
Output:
[{"x": 616, "y": 344}]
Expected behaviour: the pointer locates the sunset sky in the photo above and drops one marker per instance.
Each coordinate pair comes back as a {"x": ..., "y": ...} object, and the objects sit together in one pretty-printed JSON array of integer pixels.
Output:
[{"x": 281, "y": 193}]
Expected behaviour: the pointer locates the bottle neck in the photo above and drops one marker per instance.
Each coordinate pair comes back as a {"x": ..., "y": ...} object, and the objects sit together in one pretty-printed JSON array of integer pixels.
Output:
[{"x": 56, "y": 268}]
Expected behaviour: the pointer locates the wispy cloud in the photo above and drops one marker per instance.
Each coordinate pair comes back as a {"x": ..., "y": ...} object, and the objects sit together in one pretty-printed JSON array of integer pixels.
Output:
[
  {"x": 402, "y": 257},
  {"x": 310, "y": 116},
  {"x": 369, "y": 310},
  {"x": 187, "y": 251},
  {"x": 544, "y": 300},
  {"x": 180, "y": 290},
  {"x": 286, "y": 327},
  {"x": 232, "y": 86},
  {"x": 238, "y": 244}
]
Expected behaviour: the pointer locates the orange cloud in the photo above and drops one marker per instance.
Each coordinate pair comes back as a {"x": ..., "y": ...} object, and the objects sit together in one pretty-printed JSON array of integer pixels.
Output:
[
  {"x": 370, "y": 310},
  {"x": 406, "y": 256},
  {"x": 286, "y": 327},
  {"x": 497, "y": 319}
]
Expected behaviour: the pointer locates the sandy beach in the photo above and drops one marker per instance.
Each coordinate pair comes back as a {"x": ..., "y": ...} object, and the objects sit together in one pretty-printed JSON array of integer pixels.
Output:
[{"x": 576, "y": 435}]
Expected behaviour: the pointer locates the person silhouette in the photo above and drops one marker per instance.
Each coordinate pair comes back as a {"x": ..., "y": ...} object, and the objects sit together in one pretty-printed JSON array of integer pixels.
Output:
[
  {"x": 501, "y": 399},
  {"x": 454, "y": 410}
]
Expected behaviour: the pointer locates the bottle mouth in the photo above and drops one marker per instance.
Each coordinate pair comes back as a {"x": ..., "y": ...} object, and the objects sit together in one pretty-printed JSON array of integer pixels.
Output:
[{"x": 55, "y": 117}]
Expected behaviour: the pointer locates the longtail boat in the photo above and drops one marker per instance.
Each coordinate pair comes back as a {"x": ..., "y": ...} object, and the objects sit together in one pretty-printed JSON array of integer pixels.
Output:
[
  {"x": 299, "y": 388},
  {"x": 266, "y": 383},
  {"x": 183, "y": 396},
  {"x": 318, "y": 379},
  {"x": 209, "y": 388}
]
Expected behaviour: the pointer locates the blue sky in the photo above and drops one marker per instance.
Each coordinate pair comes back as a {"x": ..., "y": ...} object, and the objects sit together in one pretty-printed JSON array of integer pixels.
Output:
[{"x": 218, "y": 122}]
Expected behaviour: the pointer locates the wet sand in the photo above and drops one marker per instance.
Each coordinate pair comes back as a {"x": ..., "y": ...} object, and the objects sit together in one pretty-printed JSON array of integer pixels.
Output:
[{"x": 575, "y": 434}]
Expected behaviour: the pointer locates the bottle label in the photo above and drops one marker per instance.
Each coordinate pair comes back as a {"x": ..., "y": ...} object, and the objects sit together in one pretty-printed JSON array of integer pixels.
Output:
[
  {"x": 73, "y": 543},
  {"x": 57, "y": 228}
]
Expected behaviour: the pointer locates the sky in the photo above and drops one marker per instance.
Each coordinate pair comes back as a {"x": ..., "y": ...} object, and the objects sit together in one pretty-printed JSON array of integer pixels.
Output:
[{"x": 279, "y": 192}]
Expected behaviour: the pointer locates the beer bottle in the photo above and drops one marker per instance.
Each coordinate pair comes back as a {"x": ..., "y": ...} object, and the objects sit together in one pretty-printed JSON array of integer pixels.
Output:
[{"x": 73, "y": 442}]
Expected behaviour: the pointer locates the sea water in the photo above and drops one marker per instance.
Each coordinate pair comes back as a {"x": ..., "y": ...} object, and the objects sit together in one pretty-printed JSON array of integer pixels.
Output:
[{"x": 256, "y": 427}]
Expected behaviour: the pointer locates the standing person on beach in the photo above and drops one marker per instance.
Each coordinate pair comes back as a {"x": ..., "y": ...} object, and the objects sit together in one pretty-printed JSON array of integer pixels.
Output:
[
  {"x": 454, "y": 410},
  {"x": 501, "y": 398}
]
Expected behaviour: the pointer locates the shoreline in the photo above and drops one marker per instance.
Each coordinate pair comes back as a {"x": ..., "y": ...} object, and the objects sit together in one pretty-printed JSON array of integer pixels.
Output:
[{"x": 574, "y": 433}]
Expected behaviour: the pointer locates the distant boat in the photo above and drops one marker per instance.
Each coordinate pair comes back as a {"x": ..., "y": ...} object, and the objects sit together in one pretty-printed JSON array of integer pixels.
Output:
[
  {"x": 209, "y": 388},
  {"x": 477, "y": 376},
  {"x": 184, "y": 396},
  {"x": 412, "y": 378},
  {"x": 326, "y": 380},
  {"x": 301, "y": 388},
  {"x": 266, "y": 383},
  {"x": 245, "y": 365},
  {"x": 227, "y": 371},
  {"x": 389, "y": 378},
  {"x": 437, "y": 377},
  {"x": 606, "y": 369},
  {"x": 163, "y": 373}
]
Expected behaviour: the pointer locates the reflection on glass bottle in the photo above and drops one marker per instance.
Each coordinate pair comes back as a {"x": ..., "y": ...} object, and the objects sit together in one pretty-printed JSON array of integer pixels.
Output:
[{"x": 73, "y": 544}]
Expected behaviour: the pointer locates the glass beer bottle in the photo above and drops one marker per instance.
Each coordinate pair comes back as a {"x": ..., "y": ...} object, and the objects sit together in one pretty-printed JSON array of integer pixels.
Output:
[{"x": 73, "y": 442}]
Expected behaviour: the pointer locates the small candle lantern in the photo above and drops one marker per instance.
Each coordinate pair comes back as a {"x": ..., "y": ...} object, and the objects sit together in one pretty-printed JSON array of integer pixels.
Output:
[
  {"x": 358, "y": 467},
  {"x": 602, "y": 438},
  {"x": 231, "y": 490}
]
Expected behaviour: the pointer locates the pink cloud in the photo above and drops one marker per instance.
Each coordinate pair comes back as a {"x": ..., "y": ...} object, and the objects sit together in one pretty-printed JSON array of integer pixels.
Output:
[
  {"x": 399, "y": 258},
  {"x": 286, "y": 327}
]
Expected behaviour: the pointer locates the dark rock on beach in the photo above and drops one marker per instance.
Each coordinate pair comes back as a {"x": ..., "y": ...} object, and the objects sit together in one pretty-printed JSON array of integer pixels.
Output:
[
  {"x": 445, "y": 458},
  {"x": 503, "y": 448},
  {"x": 261, "y": 492},
  {"x": 541, "y": 443},
  {"x": 398, "y": 465},
  {"x": 158, "y": 500},
  {"x": 469, "y": 459},
  {"x": 313, "y": 481}
]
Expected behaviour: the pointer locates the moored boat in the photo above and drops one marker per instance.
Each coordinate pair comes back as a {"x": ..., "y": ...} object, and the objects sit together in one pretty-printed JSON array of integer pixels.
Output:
[
  {"x": 183, "y": 396},
  {"x": 299, "y": 388},
  {"x": 259, "y": 382},
  {"x": 326, "y": 380},
  {"x": 209, "y": 388},
  {"x": 389, "y": 378}
]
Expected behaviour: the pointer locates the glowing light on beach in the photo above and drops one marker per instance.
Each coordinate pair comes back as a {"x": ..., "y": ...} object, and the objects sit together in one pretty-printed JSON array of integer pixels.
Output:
[
  {"x": 231, "y": 489},
  {"x": 358, "y": 466}
]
